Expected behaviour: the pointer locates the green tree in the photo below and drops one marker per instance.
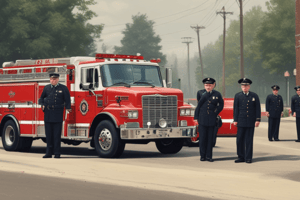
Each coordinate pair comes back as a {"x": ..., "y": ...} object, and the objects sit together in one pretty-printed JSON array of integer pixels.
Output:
[
  {"x": 276, "y": 36},
  {"x": 46, "y": 28},
  {"x": 139, "y": 37}
]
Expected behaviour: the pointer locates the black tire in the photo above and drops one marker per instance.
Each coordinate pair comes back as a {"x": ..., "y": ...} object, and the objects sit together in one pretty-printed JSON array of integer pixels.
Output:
[
  {"x": 26, "y": 144},
  {"x": 44, "y": 140},
  {"x": 11, "y": 139},
  {"x": 110, "y": 145},
  {"x": 191, "y": 143},
  {"x": 169, "y": 146}
]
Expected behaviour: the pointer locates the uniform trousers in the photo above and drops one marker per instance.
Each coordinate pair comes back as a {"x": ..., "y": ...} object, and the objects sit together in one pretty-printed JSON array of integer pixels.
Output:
[
  {"x": 244, "y": 143},
  {"x": 206, "y": 134},
  {"x": 53, "y": 137},
  {"x": 273, "y": 130},
  {"x": 298, "y": 127}
]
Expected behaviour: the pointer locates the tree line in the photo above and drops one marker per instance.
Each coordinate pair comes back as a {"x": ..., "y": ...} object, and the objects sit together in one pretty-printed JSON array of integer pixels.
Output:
[{"x": 269, "y": 50}]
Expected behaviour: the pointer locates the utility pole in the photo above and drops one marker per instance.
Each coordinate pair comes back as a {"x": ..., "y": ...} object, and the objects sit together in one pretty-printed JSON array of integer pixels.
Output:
[
  {"x": 188, "y": 40},
  {"x": 223, "y": 14},
  {"x": 197, "y": 28},
  {"x": 241, "y": 40}
]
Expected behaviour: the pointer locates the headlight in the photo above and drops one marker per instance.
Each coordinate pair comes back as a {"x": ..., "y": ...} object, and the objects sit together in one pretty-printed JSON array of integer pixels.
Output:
[
  {"x": 187, "y": 112},
  {"x": 133, "y": 114},
  {"x": 182, "y": 112},
  {"x": 192, "y": 112},
  {"x": 162, "y": 123}
]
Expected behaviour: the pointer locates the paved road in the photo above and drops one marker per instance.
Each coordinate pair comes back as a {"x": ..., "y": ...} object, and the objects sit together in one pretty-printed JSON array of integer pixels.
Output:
[
  {"x": 16, "y": 186},
  {"x": 274, "y": 173}
]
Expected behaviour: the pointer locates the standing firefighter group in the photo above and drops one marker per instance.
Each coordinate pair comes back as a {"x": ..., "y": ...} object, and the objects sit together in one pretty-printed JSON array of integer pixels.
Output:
[{"x": 247, "y": 116}]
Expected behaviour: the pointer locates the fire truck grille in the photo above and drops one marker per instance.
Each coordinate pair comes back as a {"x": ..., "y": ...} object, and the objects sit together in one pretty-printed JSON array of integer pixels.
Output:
[{"x": 157, "y": 107}]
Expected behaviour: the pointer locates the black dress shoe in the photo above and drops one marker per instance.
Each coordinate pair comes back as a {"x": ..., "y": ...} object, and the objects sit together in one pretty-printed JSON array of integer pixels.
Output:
[
  {"x": 271, "y": 140},
  {"x": 47, "y": 156},
  {"x": 248, "y": 161},
  {"x": 276, "y": 139},
  {"x": 202, "y": 159},
  {"x": 57, "y": 156},
  {"x": 209, "y": 159},
  {"x": 297, "y": 141},
  {"x": 239, "y": 161}
]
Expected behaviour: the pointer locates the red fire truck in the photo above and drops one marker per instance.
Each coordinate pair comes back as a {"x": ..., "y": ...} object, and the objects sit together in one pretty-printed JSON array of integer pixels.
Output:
[{"x": 115, "y": 99}]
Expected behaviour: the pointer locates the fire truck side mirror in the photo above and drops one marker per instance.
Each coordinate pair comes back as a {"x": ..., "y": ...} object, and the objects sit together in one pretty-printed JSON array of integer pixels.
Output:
[
  {"x": 86, "y": 86},
  {"x": 169, "y": 77}
]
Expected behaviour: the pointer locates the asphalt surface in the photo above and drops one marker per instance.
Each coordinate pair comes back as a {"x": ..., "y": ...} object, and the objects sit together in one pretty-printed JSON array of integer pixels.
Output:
[
  {"x": 142, "y": 172},
  {"x": 15, "y": 186}
]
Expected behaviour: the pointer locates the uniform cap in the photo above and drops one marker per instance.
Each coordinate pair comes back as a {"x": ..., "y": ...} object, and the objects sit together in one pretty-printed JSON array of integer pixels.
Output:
[
  {"x": 275, "y": 87},
  {"x": 208, "y": 81},
  {"x": 297, "y": 88},
  {"x": 54, "y": 75},
  {"x": 245, "y": 81}
]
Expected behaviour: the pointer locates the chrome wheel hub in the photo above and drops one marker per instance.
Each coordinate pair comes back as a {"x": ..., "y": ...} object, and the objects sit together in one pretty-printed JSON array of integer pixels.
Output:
[
  {"x": 9, "y": 135},
  {"x": 105, "y": 139}
]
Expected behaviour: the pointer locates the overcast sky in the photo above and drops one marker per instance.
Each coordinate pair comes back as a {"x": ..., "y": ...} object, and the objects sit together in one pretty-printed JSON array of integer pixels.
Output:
[{"x": 172, "y": 18}]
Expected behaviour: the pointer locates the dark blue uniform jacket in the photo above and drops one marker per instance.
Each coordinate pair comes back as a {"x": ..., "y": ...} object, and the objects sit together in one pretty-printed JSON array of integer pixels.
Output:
[
  {"x": 274, "y": 105},
  {"x": 55, "y": 99},
  {"x": 208, "y": 107},
  {"x": 295, "y": 105},
  {"x": 246, "y": 109}
]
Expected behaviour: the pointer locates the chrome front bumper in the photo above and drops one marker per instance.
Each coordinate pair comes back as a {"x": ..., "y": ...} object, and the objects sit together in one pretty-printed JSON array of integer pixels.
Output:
[{"x": 156, "y": 133}]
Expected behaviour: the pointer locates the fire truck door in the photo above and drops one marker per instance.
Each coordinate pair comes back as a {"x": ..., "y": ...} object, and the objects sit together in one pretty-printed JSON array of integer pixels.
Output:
[{"x": 86, "y": 100}]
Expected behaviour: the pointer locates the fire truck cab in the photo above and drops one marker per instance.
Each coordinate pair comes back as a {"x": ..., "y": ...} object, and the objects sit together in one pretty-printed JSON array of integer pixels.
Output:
[{"x": 115, "y": 99}]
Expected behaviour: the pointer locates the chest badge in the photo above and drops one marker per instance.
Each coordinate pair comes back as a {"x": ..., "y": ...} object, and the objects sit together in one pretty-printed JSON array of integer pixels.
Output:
[
  {"x": 213, "y": 97},
  {"x": 59, "y": 91},
  {"x": 253, "y": 99},
  {"x": 84, "y": 107}
]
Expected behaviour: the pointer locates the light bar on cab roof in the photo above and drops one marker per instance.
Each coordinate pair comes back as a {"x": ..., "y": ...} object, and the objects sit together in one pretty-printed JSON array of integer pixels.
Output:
[
  {"x": 100, "y": 55},
  {"x": 155, "y": 61}
]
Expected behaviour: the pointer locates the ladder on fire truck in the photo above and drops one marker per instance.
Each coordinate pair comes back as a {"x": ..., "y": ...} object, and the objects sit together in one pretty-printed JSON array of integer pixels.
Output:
[{"x": 33, "y": 70}]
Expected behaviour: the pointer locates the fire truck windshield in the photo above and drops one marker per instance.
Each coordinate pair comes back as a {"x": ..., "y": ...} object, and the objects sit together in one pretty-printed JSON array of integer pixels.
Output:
[{"x": 135, "y": 75}]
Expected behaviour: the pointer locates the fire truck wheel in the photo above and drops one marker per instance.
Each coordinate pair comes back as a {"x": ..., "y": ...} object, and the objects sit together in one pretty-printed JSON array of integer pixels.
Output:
[
  {"x": 44, "y": 140},
  {"x": 169, "y": 146},
  {"x": 11, "y": 139},
  {"x": 108, "y": 143},
  {"x": 192, "y": 142}
]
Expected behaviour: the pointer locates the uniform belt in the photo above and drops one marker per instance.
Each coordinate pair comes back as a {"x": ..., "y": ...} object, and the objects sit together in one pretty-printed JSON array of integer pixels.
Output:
[{"x": 55, "y": 107}]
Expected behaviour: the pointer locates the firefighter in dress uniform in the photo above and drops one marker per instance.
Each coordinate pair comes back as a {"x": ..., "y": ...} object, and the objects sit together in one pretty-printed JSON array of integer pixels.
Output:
[
  {"x": 246, "y": 117},
  {"x": 54, "y": 98},
  {"x": 274, "y": 110},
  {"x": 210, "y": 104},
  {"x": 295, "y": 106}
]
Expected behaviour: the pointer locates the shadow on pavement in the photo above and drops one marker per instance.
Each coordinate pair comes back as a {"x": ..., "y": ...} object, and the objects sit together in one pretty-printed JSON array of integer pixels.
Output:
[
  {"x": 278, "y": 157},
  {"x": 83, "y": 152}
]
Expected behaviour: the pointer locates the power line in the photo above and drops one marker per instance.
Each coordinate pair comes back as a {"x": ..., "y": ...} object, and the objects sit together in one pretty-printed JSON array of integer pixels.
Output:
[
  {"x": 212, "y": 31},
  {"x": 179, "y": 18},
  {"x": 213, "y": 17},
  {"x": 203, "y": 22},
  {"x": 165, "y": 16},
  {"x": 180, "y": 12},
  {"x": 174, "y": 32}
]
